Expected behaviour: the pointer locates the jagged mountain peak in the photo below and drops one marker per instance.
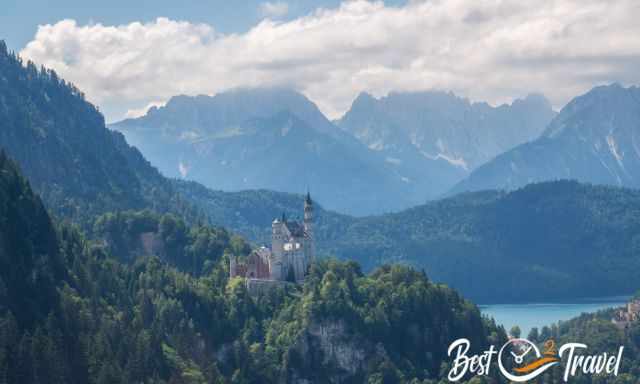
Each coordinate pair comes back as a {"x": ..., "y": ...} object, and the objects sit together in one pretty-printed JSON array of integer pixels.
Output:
[
  {"x": 598, "y": 112},
  {"x": 533, "y": 99},
  {"x": 435, "y": 125},
  {"x": 363, "y": 101},
  {"x": 267, "y": 138},
  {"x": 595, "y": 138},
  {"x": 189, "y": 116}
]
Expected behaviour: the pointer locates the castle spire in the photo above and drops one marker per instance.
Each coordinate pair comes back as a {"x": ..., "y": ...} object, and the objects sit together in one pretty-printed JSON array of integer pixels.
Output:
[{"x": 307, "y": 200}]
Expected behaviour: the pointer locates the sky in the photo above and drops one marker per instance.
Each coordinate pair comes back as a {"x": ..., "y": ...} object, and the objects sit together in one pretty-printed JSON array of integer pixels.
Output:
[{"x": 127, "y": 56}]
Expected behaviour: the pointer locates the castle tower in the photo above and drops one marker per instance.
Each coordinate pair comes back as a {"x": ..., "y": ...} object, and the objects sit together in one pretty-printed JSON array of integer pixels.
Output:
[
  {"x": 276, "y": 261},
  {"x": 310, "y": 249}
]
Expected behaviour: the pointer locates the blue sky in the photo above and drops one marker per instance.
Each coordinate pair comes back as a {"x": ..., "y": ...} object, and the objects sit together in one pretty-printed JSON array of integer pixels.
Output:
[{"x": 129, "y": 55}]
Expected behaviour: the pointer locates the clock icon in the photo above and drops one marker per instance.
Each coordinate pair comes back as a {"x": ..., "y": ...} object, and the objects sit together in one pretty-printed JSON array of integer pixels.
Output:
[{"x": 519, "y": 358}]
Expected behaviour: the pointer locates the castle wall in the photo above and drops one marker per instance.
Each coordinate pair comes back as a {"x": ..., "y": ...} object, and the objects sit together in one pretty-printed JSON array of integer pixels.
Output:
[
  {"x": 257, "y": 266},
  {"x": 260, "y": 286}
]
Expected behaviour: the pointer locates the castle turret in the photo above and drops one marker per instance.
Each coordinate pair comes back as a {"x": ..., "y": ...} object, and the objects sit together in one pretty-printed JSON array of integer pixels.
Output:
[{"x": 308, "y": 229}]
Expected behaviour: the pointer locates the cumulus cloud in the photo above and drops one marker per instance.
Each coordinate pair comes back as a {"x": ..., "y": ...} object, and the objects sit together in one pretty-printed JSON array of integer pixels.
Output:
[
  {"x": 485, "y": 50},
  {"x": 274, "y": 9}
]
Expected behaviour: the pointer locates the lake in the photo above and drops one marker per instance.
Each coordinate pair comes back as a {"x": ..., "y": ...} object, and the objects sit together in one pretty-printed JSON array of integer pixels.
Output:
[{"x": 530, "y": 315}]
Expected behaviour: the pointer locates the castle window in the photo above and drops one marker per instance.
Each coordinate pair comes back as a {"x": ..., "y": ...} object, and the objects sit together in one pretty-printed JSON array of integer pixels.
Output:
[{"x": 297, "y": 245}]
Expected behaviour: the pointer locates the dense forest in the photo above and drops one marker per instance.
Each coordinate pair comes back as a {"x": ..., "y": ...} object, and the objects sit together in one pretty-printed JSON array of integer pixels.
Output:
[
  {"x": 600, "y": 335},
  {"x": 549, "y": 240},
  {"x": 71, "y": 312}
]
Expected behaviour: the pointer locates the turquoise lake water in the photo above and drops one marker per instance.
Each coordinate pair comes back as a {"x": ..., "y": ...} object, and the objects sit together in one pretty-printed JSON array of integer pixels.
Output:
[{"x": 530, "y": 315}]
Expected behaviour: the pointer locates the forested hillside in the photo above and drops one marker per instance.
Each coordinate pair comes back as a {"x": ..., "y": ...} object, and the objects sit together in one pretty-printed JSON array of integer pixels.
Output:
[
  {"x": 601, "y": 336},
  {"x": 79, "y": 167},
  {"x": 250, "y": 213},
  {"x": 30, "y": 261},
  {"x": 70, "y": 312},
  {"x": 556, "y": 239},
  {"x": 551, "y": 240},
  {"x": 129, "y": 235}
]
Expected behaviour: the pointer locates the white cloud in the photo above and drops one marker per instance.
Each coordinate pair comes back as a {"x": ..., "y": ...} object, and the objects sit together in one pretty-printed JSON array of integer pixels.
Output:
[
  {"x": 485, "y": 50},
  {"x": 274, "y": 9},
  {"x": 137, "y": 112}
]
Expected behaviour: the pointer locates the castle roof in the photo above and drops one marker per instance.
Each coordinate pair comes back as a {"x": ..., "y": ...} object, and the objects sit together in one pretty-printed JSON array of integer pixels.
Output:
[{"x": 295, "y": 228}]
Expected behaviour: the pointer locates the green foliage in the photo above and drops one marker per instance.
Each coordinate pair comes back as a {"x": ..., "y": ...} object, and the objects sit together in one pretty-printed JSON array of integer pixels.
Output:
[
  {"x": 29, "y": 259},
  {"x": 601, "y": 336},
  {"x": 395, "y": 317},
  {"x": 560, "y": 239},
  {"x": 195, "y": 249}
]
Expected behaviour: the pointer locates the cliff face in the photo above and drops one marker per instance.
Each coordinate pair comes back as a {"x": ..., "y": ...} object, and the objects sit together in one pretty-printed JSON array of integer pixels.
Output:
[{"x": 330, "y": 346}]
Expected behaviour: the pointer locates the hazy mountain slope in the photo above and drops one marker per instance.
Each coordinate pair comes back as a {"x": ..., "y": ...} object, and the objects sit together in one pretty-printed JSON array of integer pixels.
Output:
[
  {"x": 419, "y": 128},
  {"x": 269, "y": 138},
  {"x": 595, "y": 139},
  {"x": 283, "y": 153}
]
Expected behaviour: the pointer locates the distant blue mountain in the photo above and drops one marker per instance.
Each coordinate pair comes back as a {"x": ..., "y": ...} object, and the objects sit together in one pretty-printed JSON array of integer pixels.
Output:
[
  {"x": 595, "y": 139},
  {"x": 278, "y": 139},
  {"x": 417, "y": 129},
  {"x": 267, "y": 138}
]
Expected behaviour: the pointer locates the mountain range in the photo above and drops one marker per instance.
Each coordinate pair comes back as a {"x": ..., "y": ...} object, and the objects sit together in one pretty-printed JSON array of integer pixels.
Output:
[
  {"x": 266, "y": 138},
  {"x": 595, "y": 138},
  {"x": 415, "y": 129},
  {"x": 377, "y": 158}
]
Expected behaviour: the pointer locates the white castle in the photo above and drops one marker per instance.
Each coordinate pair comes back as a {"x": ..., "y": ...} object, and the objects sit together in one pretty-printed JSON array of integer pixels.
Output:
[{"x": 292, "y": 251}]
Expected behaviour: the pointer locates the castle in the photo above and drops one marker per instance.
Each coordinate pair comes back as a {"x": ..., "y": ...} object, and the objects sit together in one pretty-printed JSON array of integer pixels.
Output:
[
  {"x": 292, "y": 251},
  {"x": 628, "y": 315}
]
